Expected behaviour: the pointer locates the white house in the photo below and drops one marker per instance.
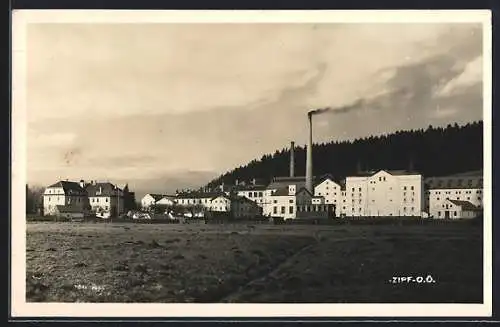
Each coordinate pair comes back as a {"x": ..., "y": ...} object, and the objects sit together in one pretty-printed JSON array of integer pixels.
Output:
[
  {"x": 465, "y": 187},
  {"x": 455, "y": 209},
  {"x": 105, "y": 198},
  {"x": 150, "y": 199},
  {"x": 64, "y": 197},
  {"x": 196, "y": 198},
  {"x": 167, "y": 200},
  {"x": 384, "y": 193},
  {"x": 331, "y": 191},
  {"x": 220, "y": 203}
]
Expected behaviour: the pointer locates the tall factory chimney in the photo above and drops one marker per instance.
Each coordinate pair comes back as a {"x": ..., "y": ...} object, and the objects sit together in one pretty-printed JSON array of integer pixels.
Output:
[
  {"x": 292, "y": 159},
  {"x": 309, "y": 164}
]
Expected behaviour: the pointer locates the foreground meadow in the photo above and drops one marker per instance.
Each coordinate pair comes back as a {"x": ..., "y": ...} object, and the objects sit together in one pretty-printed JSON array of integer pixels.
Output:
[{"x": 72, "y": 262}]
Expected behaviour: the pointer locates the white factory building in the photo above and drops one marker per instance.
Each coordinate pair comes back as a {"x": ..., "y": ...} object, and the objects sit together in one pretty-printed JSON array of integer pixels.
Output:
[
  {"x": 384, "y": 193},
  {"x": 455, "y": 196},
  {"x": 378, "y": 193}
]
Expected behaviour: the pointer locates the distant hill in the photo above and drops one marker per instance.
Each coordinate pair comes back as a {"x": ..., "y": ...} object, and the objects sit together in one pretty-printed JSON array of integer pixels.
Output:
[{"x": 432, "y": 152}]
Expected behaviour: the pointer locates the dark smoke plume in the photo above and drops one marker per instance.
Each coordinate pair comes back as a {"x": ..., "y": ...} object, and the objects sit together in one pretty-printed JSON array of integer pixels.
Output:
[{"x": 339, "y": 110}]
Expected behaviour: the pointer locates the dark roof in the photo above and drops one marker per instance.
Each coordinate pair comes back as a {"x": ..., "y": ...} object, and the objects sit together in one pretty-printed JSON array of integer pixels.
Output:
[
  {"x": 69, "y": 187},
  {"x": 303, "y": 189},
  {"x": 281, "y": 182},
  {"x": 199, "y": 195},
  {"x": 105, "y": 188},
  {"x": 324, "y": 178},
  {"x": 454, "y": 182},
  {"x": 466, "y": 205},
  {"x": 281, "y": 192},
  {"x": 477, "y": 173},
  {"x": 164, "y": 196}
]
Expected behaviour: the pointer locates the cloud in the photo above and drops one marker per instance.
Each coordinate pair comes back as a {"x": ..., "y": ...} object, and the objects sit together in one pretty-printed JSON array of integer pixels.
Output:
[
  {"x": 153, "y": 102},
  {"x": 471, "y": 75}
]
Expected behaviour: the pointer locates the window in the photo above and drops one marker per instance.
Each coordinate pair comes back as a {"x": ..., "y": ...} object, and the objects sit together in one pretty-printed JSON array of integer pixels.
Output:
[
  {"x": 479, "y": 198},
  {"x": 404, "y": 193},
  {"x": 380, "y": 179},
  {"x": 107, "y": 199},
  {"x": 404, "y": 188},
  {"x": 439, "y": 213},
  {"x": 275, "y": 210},
  {"x": 291, "y": 201},
  {"x": 373, "y": 188},
  {"x": 404, "y": 209},
  {"x": 275, "y": 201},
  {"x": 359, "y": 201},
  {"x": 438, "y": 199},
  {"x": 282, "y": 209},
  {"x": 290, "y": 210},
  {"x": 412, "y": 188},
  {"x": 353, "y": 189}
]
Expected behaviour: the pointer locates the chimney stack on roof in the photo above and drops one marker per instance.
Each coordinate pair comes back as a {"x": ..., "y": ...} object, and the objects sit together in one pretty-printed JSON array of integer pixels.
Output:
[{"x": 292, "y": 159}]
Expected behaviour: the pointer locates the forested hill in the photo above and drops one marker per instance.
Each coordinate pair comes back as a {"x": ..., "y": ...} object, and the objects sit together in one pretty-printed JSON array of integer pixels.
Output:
[{"x": 432, "y": 152}]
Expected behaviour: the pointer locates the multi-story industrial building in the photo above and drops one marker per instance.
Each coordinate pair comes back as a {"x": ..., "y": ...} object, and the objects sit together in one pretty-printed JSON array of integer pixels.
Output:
[{"x": 464, "y": 190}]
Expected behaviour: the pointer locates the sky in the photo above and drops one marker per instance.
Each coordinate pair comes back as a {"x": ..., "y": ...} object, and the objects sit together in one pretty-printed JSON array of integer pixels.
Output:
[{"x": 171, "y": 106}]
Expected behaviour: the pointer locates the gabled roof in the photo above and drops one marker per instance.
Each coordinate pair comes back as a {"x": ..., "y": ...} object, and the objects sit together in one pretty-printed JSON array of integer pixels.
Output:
[
  {"x": 324, "y": 178},
  {"x": 165, "y": 196},
  {"x": 399, "y": 172},
  {"x": 466, "y": 205},
  {"x": 155, "y": 196},
  {"x": 69, "y": 187},
  {"x": 304, "y": 190},
  {"x": 102, "y": 189}
]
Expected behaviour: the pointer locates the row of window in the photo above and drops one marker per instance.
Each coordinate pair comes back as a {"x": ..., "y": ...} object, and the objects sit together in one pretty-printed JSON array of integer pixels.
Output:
[
  {"x": 255, "y": 194},
  {"x": 459, "y": 192}
]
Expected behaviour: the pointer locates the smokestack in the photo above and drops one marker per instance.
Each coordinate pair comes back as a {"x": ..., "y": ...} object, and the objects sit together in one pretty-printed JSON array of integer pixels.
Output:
[
  {"x": 309, "y": 164},
  {"x": 292, "y": 159}
]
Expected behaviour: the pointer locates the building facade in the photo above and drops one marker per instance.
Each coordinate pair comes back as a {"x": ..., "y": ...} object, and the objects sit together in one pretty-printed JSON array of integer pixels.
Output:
[
  {"x": 105, "y": 198},
  {"x": 384, "y": 193},
  {"x": 465, "y": 188},
  {"x": 64, "y": 196}
]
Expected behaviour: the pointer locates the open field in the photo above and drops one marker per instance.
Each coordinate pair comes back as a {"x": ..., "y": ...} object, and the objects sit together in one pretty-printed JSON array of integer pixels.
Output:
[{"x": 71, "y": 262}]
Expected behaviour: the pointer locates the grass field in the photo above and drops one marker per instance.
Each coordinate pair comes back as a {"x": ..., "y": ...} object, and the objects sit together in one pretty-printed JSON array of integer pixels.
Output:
[{"x": 71, "y": 262}]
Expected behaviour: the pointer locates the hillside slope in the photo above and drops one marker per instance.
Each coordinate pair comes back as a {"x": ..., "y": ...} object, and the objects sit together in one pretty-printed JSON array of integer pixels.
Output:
[{"x": 432, "y": 152}]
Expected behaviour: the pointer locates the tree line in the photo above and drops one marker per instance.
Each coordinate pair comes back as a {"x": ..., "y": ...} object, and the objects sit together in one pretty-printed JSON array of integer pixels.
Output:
[{"x": 434, "y": 151}]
